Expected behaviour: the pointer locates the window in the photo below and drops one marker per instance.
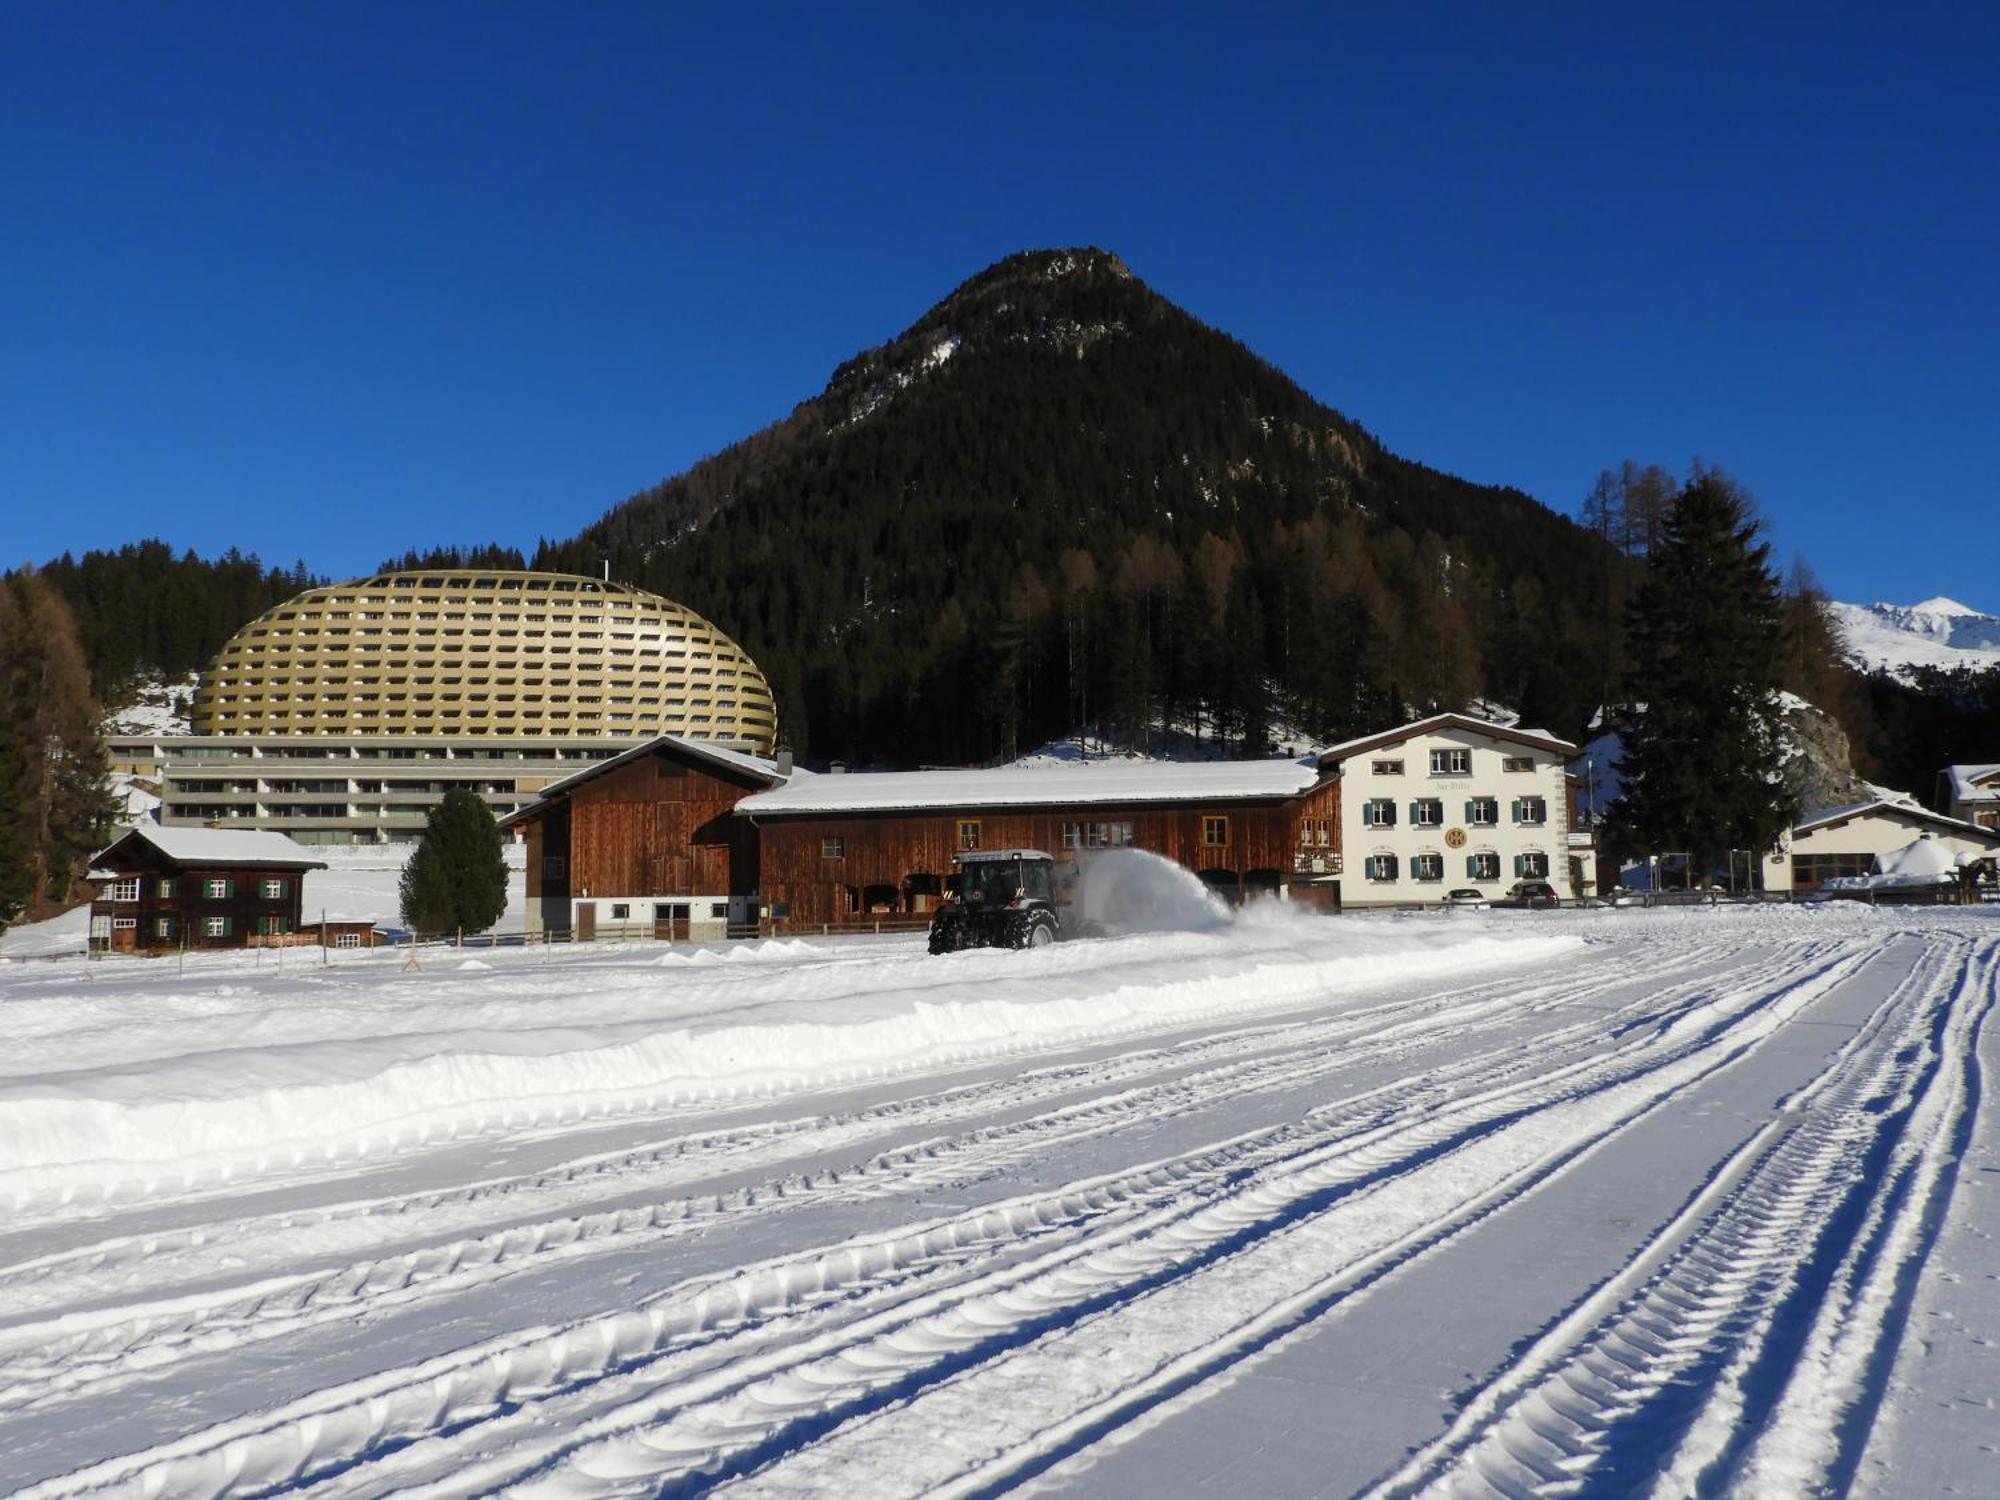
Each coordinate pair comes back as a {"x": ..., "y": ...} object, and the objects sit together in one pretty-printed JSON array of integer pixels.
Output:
[
  {"x": 272, "y": 889},
  {"x": 1427, "y": 812},
  {"x": 1517, "y": 763},
  {"x": 1214, "y": 833},
  {"x": 621, "y": 911},
  {"x": 125, "y": 890},
  {"x": 218, "y": 926},
  {"x": 1388, "y": 768},
  {"x": 1315, "y": 833},
  {"x": 125, "y": 924},
  {"x": 553, "y": 867},
  {"x": 1107, "y": 835},
  {"x": 347, "y": 940},
  {"x": 1072, "y": 835},
  {"x": 1811, "y": 869},
  {"x": 968, "y": 835},
  {"x": 719, "y": 910},
  {"x": 1380, "y": 866},
  {"x": 834, "y": 846},
  {"x": 163, "y": 927},
  {"x": 1378, "y": 812},
  {"x": 1482, "y": 867},
  {"x": 218, "y": 888},
  {"x": 165, "y": 886},
  {"x": 1451, "y": 762},
  {"x": 1482, "y": 812},
  {"x": 1531, "y": 866},
  {"x": 274, "y": 926},
  {"x": 1427, "y": 867},
  {"x": 1531, "y": 810}
]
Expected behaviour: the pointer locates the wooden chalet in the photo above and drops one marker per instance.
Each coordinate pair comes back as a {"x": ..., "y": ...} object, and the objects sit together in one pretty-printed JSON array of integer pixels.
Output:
[
  {"x": 843, "y": 849},
  {"x": 645, "y": 844},
  {"x": 161, "y": 888}
]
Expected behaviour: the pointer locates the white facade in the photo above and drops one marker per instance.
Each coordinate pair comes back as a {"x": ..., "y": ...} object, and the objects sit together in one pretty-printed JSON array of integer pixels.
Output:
[
  {"x": 1843, "y": 842},
  {"x": 1451, "y": 803}
]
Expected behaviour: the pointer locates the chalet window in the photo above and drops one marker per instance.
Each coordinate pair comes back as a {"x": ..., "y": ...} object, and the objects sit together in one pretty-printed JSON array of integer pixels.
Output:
[
  {"x": 1379, "y": 812},
  {"x": 125, "y": 924},
  {"x": 1388, "y": 768},
  {"x": 553, "y": 867},
  {"x": 621, "y": 911},
  {"x": 1517, "y": 763},
  {"x": 1072, "y": 835},
  {"x": 218, "y": 888},
  {"x": 1482, "y": 812},
  {"x": 833, "y": 846},
  {"x": 347, "y": 940},
  {"x": 274, "y": 926},
  {"x": 272, "y": 889},
  {"x": 1531, "y": 866},
  {"x": 1427, "y": 812},
  {"x": 1214, "y": 833},
  {"x": 1531, "y": 810},
  {"x": 163, "y": 927},
  {"x": 968, "y": 835},
  {"x": 125, "y": 890},
  {"x": 1811, "y": 869},
  {"x": 165, "y": 886},
  {"x": 1451, "y": 762},
  {"x": 218, "y": 926},
  {"x": 1482, "y": 867},
  {"x": 719, "y": 910},
  {"x": 1427, "y": 867},
  {"x": 1380, "y": 866},
  {"x": 1315, "y": 833}
]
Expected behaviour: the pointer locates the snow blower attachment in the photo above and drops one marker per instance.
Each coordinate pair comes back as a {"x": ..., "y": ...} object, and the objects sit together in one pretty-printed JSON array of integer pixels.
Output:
[{"x": 999, "y": 898}]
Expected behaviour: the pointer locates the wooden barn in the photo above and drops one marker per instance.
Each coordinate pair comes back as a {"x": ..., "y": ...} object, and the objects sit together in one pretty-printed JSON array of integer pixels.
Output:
[
  {"x": 645, "y": 844},
  {"x": 843, "y": 849},
  {"x": 161, "y": 888}
]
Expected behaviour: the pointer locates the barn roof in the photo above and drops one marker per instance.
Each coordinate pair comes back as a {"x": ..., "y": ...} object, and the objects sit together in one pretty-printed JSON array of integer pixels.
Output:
[
  {"x": 1830, "y": 817},
  {"x": 1101, "y": 783},
  {"x": 735, "y": 761}
]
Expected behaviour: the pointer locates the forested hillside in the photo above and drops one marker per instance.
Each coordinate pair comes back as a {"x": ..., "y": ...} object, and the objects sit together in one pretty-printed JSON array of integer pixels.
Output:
[
  {"x": 1059, "y": 500},
  {"x": 147, "y": 609}
]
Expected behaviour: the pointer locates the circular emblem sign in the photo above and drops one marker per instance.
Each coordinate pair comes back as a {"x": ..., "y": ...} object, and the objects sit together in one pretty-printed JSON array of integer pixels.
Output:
[{"x": 1454, "y": 838}]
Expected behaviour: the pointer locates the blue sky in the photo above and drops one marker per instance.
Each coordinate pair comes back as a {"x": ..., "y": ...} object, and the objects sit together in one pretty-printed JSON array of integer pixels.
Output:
[{"x": 326, "y": 282}]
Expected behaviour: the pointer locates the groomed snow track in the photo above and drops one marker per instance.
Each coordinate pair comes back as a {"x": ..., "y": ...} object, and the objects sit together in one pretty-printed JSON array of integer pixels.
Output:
[{"x": 1049, "y": 1270}]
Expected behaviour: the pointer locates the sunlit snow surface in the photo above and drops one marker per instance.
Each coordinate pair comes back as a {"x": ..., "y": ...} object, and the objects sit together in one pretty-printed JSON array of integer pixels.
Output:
[{"x": 1489, "y": 1203}]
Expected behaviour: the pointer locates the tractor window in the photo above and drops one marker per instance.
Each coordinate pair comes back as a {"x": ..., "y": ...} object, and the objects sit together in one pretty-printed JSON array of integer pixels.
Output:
[
  {"x": 991, "y": 882},
  {"x": 1037, "y": 880}
]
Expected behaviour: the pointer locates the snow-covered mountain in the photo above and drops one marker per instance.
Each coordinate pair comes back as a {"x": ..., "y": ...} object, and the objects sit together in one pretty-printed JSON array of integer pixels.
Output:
[{"x": 1936, "y": 633}]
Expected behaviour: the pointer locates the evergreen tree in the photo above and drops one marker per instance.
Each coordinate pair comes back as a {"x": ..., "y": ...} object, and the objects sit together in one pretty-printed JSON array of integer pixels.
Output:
[
  {"x": 1701, "y": 760},
  {"x": 456, "y": 878}
]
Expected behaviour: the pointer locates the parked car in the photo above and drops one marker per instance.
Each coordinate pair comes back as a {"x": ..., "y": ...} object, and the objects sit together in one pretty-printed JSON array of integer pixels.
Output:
[
  {"x": 1619, "y": 896},
  {"x": 1533, "y": 893},
  {"x": 1468, "y": 899}
]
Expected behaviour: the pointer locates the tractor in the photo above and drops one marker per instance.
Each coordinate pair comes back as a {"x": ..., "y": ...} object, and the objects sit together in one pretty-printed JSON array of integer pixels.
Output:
[{"x": 999, "y": 898}]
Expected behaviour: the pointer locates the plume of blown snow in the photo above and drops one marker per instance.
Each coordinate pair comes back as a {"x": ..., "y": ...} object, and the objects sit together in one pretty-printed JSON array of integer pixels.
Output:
[{"x": 1130, "y": 890}]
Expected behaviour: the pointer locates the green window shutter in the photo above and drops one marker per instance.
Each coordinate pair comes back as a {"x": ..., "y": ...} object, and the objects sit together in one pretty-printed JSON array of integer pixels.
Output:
[
  {"x": 1470, "y": 803},
  {"x": 1517, "y": 809},
  {"x": 1416, "y": 813},
  {"x": 1520, "y": 865}
]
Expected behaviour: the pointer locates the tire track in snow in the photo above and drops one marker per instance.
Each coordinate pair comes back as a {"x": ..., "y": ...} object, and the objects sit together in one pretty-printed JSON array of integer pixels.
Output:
[
  {"x": 83, "y": 1349},
  {"x": 1099, "y": 1248},
  {"x": 1666, "y": 1375}
]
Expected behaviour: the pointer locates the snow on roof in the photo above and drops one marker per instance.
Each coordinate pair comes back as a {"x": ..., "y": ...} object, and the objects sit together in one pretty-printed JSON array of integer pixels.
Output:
[
  {"x": 1820, "y": 817},
  {"x": 1965, "y": 783},
  {"x": 216, "y": 846},
  {"x": 736, "y": 760},
  {"x": 1038, "y": 786},
  {"x": 1920, "y": 858},
  {"x": 1487, "y": 727}
]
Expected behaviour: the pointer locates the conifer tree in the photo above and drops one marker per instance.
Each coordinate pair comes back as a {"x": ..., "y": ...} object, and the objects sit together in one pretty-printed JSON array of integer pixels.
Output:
[
  {"x": 456, "y": 878},
  {"x": 1701, "y": 764}
]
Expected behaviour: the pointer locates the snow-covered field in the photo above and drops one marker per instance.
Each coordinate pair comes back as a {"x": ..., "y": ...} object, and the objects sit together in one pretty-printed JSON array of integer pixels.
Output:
[{"x": 1507, "y": 1203}]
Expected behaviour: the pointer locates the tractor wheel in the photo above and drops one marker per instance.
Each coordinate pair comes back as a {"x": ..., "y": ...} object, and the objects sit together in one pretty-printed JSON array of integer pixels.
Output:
[
  {"x": 947, "y": 937},
  {"x": 1040, "y": 933}
]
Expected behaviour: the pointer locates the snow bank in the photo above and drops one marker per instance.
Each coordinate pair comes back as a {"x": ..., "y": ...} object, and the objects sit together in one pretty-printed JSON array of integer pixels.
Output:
[{"x": 136, "y": 1078}]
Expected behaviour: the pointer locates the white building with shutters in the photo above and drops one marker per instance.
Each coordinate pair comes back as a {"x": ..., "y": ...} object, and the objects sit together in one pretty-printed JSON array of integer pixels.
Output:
[{"x": 1453, "y": 803}]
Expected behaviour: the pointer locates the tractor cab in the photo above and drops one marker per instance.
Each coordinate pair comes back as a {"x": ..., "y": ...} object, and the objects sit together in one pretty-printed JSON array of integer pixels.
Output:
[{"x": 998, "y": 898}]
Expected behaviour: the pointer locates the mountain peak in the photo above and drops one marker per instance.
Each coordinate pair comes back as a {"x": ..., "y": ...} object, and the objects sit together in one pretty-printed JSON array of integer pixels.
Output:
[{"x": 1942, "y": 606}]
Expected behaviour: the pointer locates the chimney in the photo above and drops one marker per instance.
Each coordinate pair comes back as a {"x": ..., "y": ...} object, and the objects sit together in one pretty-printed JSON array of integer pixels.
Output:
[{"x": 783, "y": 764}]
